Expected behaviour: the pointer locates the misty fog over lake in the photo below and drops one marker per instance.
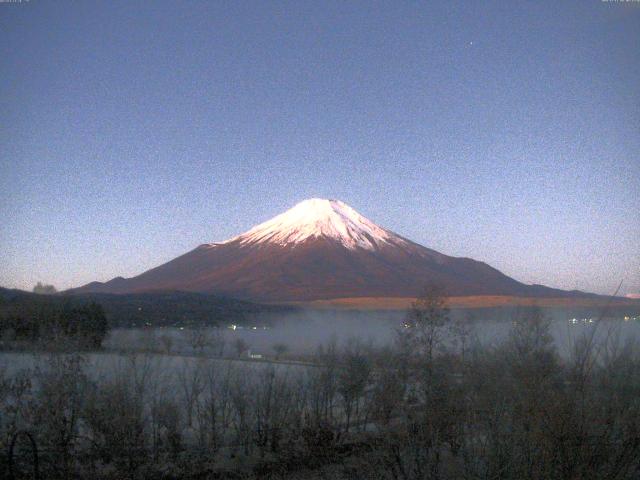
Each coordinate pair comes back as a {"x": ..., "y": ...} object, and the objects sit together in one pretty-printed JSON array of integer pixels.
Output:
[{"x": 303, "y": 332}]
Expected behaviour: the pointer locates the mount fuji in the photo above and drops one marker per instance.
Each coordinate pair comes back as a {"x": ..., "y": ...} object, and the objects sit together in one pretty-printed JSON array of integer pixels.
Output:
[{"x": 321, "y": 249}]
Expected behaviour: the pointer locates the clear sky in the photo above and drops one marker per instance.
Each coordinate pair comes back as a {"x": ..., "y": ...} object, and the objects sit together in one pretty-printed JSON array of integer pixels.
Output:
[{"x": 506, "y": 131}]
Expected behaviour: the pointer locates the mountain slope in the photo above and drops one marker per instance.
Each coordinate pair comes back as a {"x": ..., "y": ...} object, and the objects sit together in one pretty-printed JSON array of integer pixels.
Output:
[{"x": 320, "y": 249}]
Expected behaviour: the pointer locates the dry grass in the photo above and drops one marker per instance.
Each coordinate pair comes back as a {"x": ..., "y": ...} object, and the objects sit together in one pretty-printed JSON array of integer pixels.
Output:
[{"x": 473, "y": 301}]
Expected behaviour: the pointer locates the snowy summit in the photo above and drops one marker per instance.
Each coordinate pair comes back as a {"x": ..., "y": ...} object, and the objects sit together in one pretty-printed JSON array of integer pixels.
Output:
[
  {"x": 320, "y": 218},
  {"x": 319, "y": 250}
]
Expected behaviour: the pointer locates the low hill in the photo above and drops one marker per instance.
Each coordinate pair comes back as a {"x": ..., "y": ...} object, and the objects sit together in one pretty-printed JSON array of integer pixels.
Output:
[{"x": 158, "y": 309}]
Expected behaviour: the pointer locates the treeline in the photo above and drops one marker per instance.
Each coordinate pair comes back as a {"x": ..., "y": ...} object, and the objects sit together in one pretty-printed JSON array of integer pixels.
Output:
[
  {"x": 162, "y": 309},
  {"x": 180, "y": 309},
  {"x": 428, "y": 408},
  {"x": 49, "y": 320}
]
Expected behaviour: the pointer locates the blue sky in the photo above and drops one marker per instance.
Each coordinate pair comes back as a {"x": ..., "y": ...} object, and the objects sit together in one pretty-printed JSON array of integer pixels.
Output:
[{"x": 509, "y": 132}]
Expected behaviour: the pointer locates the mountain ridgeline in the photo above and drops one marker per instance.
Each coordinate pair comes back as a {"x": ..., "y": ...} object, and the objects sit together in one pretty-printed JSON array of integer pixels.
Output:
[{"x": 321, "y": 249}]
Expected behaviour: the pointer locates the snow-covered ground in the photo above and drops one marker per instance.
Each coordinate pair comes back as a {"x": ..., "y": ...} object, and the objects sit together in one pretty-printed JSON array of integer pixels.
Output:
[{"x": 319, "y": 217}]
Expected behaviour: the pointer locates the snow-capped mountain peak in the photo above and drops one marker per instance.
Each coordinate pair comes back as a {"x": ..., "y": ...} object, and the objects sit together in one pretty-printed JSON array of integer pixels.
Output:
[
  {"x": 318, "y": 250},
  {"x": 320, "y": 218}
]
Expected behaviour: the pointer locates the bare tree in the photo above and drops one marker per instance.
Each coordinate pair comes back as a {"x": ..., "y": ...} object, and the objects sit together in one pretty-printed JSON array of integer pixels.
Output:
[
  {"x": 198, "y": 339},
  {"x": 167, "y": 343},
  {"x": 353, "y": 379},
  {"x": 191, "y": 381},
  {"x": 425, "y": 323},
  {"x": 241, "y": 346},
  {"x": 218, "y": 341},
  {"x": 280, "y": 349},
  {"x": 462, "y": 330}
]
